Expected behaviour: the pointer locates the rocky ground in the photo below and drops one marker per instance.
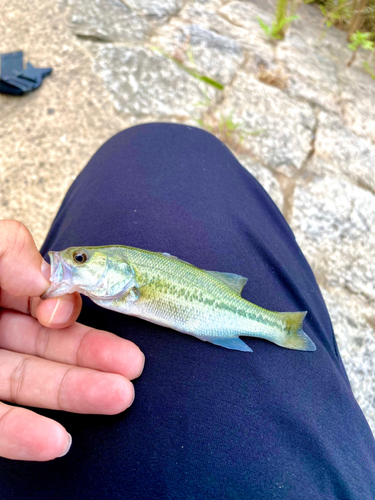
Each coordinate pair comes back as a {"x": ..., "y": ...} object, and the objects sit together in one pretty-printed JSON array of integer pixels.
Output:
[{"x": 295, "y": 115}]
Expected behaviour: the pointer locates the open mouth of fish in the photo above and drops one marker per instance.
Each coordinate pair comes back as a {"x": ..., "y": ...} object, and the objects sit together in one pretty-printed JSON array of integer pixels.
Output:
[{"x": 61, "y": 277}]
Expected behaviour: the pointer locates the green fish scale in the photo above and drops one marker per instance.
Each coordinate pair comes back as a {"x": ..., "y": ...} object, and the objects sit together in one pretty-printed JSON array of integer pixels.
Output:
[
  {"x": 173, "y": 293},
  {"x": 177, "y": 294}
]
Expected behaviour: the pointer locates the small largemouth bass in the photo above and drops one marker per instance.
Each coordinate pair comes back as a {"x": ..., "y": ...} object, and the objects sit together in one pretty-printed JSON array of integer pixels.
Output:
[{"x": 165, "y": 290}]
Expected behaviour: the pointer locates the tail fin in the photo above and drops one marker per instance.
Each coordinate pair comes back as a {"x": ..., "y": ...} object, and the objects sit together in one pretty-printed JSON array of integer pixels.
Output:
[{"x": 295, "y": 337}]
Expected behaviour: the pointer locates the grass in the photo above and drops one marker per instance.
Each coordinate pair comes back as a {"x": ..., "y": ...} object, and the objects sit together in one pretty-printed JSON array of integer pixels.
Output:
[
  {"x": 356, "y": 17},
  {"x": 229, "y": 132},
  {"x": 224, "y": 128},
  {"x": 276, "y": 31},
  {"x": 284, "y": 15},
  {"x": 357, "y": 40},
  {"x": 349, "y": 15},
  {"x": 191, "y": 70}
]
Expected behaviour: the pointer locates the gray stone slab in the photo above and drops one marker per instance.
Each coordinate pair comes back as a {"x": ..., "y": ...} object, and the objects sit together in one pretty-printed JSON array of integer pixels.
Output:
[
  {"x": 312, "y": 76},
  {"x": 222, "y": 20},
  {"x": 144, "y": 82},
  {"x": 243, "y": 24},
  {"x": 307, "y": 30},
  {"x": 107, "y": 20},
  {"x": 358, "y": 99},
  {"x": 245, "y": 14},
  {"x": 200, "y": 49},
  {"x": 200, "y": 7},
  {"x": 334, "y": 222},
  {"x": 155, "y": 8},
  {"x": 284, "y": 126},
  {"x": 339, "y": 151},
  {"x": 356, "y": 342},
  {"x": 265, "y": 178}
]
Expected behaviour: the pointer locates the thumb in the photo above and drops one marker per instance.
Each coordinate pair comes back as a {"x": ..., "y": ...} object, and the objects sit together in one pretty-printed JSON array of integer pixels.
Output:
[{"x": 20, "y": 262}]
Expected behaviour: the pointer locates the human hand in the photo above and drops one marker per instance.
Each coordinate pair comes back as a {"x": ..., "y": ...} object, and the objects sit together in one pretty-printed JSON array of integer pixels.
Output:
[{"x": 47, "y": 360}]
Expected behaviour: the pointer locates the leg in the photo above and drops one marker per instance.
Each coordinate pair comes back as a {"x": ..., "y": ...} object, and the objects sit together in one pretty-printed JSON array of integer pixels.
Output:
[{"x": 207, "y": 422}]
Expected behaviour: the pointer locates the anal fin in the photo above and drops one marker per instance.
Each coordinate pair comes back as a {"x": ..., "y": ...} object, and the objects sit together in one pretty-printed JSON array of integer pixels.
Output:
[{"x": 229, "y": 343}]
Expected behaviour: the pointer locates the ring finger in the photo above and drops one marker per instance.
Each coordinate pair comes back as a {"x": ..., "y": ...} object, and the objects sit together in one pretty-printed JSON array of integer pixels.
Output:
[{"x": 25, "y": 435}]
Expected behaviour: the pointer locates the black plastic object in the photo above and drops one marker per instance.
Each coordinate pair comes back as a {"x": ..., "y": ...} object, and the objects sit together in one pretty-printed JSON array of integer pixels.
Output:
[{"x": 16, "y": 80}]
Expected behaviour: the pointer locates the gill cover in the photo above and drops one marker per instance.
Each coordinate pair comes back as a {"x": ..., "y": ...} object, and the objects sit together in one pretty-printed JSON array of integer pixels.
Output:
[{"x": 102, "y": 276}]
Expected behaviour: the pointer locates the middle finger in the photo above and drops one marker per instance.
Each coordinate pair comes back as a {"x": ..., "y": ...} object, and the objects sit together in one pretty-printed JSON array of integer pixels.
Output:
[
  {"x": 75, "y": 345},
  {"x": 28, "y": 380}
]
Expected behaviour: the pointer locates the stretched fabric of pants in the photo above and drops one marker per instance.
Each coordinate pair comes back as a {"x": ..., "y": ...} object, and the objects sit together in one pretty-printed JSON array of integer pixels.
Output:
[{"x": 207, "y": 422}]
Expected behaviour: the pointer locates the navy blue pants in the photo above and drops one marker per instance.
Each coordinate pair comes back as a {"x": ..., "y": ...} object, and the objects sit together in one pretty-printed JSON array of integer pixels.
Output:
[{"x": 207, "y": 422}]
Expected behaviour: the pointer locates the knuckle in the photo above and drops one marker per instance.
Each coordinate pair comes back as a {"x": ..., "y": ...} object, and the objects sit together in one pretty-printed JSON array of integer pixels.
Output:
[
  {"x": 61, "y": 393},
  {"x": 17, "y": 380},
  {"x": 42, "y": 342},
  {"x": 21, "y": 240},
  {"x": 80, "y": 352},
  {"x": 15, "y": 237},
  {"x": 5, "y": 422}
]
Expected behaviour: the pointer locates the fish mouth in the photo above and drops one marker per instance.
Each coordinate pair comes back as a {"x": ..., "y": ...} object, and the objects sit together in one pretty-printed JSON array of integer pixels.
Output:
[{"x": 61, "y": 277}]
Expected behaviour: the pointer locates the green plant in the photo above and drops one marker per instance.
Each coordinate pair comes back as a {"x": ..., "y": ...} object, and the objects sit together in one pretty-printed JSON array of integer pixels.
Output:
[
  {"x": 196, "y": 74},
  {"x": 224, "y": 128},
  {"x": 228, "y": 131},
  {"x": 278, "y": 28},
  {"x": 368, "y": 13},
  {"x": 227, "y": 127},
  {"x": 192, "y": 71},
  {"x": 357, "y": 18},
  {"x": 337, "y": 12},
  {"x": 349, "y": 15},
  {"x": 358, "y": 40}
]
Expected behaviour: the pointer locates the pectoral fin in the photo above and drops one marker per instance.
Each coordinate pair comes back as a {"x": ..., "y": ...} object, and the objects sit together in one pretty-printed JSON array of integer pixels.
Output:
[
  {"x": 230, "y": 343},
  {"x": 133, "y": 294}
]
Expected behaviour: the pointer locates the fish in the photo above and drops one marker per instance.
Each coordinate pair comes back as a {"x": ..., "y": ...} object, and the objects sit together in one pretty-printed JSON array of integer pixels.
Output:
[{"x": 165, "y": 290}]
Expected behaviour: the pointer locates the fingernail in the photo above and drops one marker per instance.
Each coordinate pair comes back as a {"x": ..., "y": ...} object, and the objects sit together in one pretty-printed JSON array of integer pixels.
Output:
[
  {"x": 68, "y": 446},
  {"x": 133, "y": 395},
  {"x": 61, "y": 312},
  {"x": 46, "y": 270}
]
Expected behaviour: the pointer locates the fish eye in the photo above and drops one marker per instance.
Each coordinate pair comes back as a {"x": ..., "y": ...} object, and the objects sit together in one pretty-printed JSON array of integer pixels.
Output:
[{"x": 80, "y": 257}]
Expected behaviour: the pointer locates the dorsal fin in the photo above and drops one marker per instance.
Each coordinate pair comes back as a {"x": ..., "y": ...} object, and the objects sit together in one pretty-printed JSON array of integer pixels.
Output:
[
  {"x": 166, "y": 254},
  {"x": 234, "y": 281}
]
